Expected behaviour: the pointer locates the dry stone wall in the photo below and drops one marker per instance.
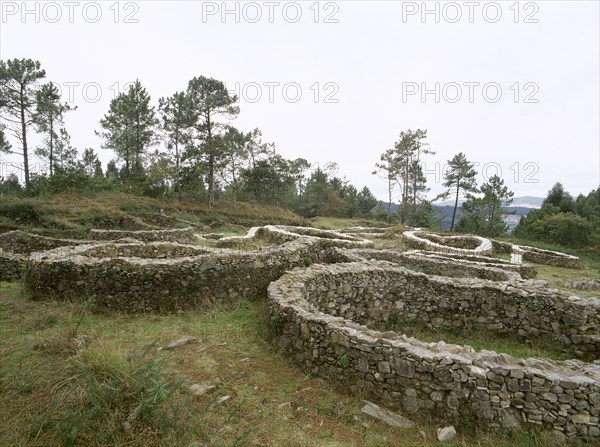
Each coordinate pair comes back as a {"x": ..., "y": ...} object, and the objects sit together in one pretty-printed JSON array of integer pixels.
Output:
[
  {"x": 17, "y": 246},
  {"x": 181, "y": 235},
  {"x": 447, "y": 265},
  {"x": 466, "y": 245},
  {"x": 164, "y": 277},
  {"x": 547, "y": 257},
  {"x": 280, "y": 234},
  {"x": 316, "y": 314}
]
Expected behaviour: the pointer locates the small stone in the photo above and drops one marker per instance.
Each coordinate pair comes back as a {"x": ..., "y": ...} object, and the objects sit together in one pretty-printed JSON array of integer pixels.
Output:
[
  {"x": 386, "y": 416},
  {"x": 580, "y": 418},
  {"x": 224, "y": 399},
  {"x": 446, "y": 433},
  {"x": 285, "y": 405},
  {"x": 200, "y": 389},
  {"x": 339, "y": 409},
  {"x": 186, "y": 340}
]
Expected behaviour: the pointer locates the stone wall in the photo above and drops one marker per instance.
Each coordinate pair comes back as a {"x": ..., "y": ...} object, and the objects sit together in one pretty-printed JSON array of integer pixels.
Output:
[
  {"x": 164, "y": 277},
  {"x": 448, "y": 265},
  {"x": 548, "y": 257},
  {"x": 181, "y": 235},
  {"x": 11, "y": 266},
  {"x": 24, "y": 243},
  {"x": 280, "y": 234},
  {"x": 501, "y": 247},
  {"x": 316, "y": 315},
  {"x": 16, "y": 246},
  {"x": 467, "y": 245}
]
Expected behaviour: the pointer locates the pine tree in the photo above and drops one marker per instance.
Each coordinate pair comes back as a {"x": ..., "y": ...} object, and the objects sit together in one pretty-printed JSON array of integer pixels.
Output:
[
  {"x": 18, "y": 87},
  {"x": 129, "y": 128},
  {"x": 48, "y": 118},
  {"x": 483, "y": 215},
  {"x": 459, "y": 177},
  {"x": 177, "y": 118},
  {"x": 210, "y": 99}
]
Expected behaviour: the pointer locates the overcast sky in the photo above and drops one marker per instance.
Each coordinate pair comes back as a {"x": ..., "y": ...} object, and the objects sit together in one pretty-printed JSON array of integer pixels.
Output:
[{"x": 514, "y": 87}]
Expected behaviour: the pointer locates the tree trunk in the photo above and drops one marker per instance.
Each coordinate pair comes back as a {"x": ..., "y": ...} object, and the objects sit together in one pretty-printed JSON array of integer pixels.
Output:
[
  {"x": 389, "y": 200},
  {"x": 24, "y": 139},
  {"x": 51, "y": 144},
  {"x": 455, "y": 205}
]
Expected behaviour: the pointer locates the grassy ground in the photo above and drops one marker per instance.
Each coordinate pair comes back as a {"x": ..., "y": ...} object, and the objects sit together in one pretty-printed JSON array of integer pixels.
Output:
[
  {"x": 74, "y": 214},
  {"x": 337, "y": 223},
  {"x": 72, "y": 378}
]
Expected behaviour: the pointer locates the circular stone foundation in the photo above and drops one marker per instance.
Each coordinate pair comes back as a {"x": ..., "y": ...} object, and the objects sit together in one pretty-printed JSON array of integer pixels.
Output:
[
  {"x": 165, "y": 276},
  {"x": 461, "y": 245},
  {"x": 320, "y": 317}
]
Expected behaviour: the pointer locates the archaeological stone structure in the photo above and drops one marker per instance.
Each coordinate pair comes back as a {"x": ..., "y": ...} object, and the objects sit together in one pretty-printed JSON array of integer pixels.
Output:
[
  {"x": 321, "y": 317},
  {"x": 328, "y": 292}
]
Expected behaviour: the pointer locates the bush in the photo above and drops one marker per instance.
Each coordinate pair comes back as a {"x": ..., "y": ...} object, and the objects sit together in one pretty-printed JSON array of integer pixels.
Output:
[
  {"x": 23, "y": 212},
  {"x": 566, "y": 229}
]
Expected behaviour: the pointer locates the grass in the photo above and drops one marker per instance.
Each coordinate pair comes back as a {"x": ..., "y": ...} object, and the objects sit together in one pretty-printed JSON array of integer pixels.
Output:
[
  {"x": 74, "y": 213},
  {"x": 477, "y": 339},
  {"x": 70, "y": 377},
  {"x": 337, "y": 223}
]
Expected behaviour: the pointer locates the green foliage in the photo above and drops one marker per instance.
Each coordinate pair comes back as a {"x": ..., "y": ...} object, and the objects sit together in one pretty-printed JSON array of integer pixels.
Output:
[
  {"x": 21, "y": 211},
  {"x": 343, "y": 360},
  {"x": 459, "y": 177},
  {"x": 18, "y": 89},
  {"x": 366, "y": 202},
  {"x": 48, "y": 118},
  {"x": 122, "y": 397},
  {"x": 401, "y": 165},
  {"x": 483, "y": 215},
  {"x": 555, "y": 223},
  {"x": 560, "y": 198},
  {"x": 566, "y": 229},
  {"x": 129, "y": 128},
  {"x": 209, "y": 100},
  {"x": 10, "y": 185},
  {"x": 4, "y": 144}
]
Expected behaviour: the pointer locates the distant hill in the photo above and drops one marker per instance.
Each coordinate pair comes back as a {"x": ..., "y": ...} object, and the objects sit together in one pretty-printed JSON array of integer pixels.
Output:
[
  {"x": 521, "y": 206},
  {"x": 522, "y": 202}
]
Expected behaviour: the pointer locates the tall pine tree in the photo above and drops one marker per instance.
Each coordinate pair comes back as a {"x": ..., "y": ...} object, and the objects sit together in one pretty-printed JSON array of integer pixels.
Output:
[
  {"x": 18, "y": 87},
  {"x": 129, "y": 128}
]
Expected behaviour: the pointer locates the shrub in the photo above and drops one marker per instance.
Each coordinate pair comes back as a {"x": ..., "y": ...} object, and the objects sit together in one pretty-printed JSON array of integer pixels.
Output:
[
  {"x": 566, "y": 229},
  {"x": 122, "y": 398},
  {"x": 21, "y": 211}
]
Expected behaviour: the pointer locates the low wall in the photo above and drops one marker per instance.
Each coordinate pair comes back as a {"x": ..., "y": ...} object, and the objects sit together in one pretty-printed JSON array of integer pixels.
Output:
[
  {"x": 548, "y": 257},
  {"x": 280, "y": 234},
  {"x": 444, "y": 265},
  {"x": 24, "y": 243},
  {"x": 181, "y": 235},
  {"x": 316, "y": 315},
  {"x": 501, "y": 247},
  {"x": 467, "y": 245},
  {"x": 164, "y": 277},
  {"x": 12, "y": 266},
  {"x": 16, "y": 246}
]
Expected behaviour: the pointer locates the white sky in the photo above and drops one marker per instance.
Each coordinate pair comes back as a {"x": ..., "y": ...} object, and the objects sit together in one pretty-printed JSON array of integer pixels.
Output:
[{"x": 369, "y": 60}]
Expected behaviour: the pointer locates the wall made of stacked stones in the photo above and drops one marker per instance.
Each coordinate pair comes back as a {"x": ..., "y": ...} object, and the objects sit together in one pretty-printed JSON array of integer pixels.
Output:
[
  {"x": 310, "y": 326},
  {"x": 138, "y": 284},
  {"x": 182, "y": 235}
]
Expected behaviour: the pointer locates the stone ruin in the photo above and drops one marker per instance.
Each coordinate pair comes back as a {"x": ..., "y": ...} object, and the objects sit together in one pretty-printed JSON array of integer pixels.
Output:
[{"x": 328, "y": 291}]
